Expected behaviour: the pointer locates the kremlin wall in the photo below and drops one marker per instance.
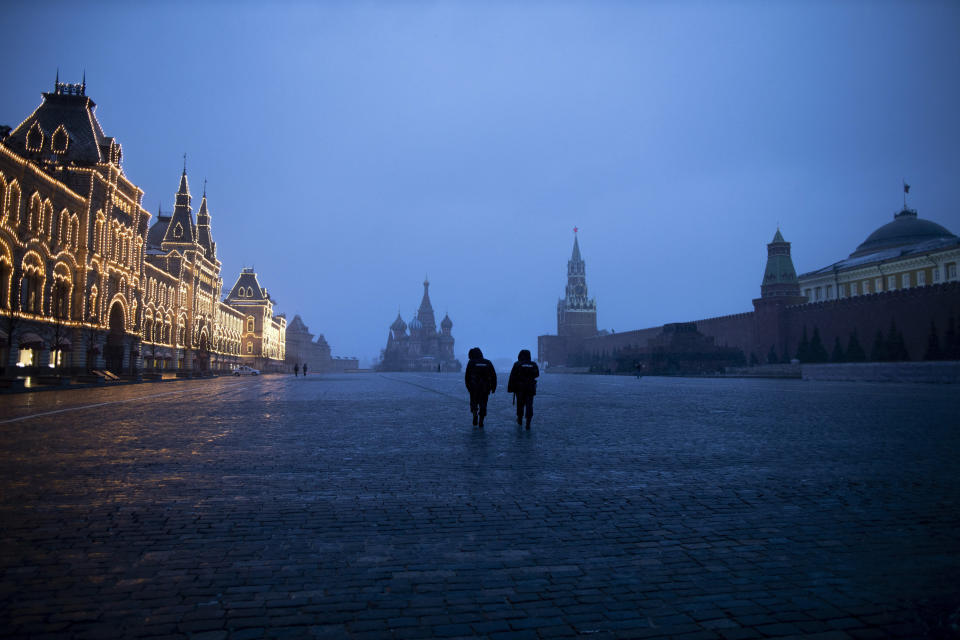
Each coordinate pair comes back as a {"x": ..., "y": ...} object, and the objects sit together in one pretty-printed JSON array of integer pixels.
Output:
[{"x": 895, "y": 298}]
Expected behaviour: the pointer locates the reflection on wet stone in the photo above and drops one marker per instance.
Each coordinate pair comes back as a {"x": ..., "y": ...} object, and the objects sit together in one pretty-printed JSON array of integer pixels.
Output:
[{"x": 367, "y": 506}]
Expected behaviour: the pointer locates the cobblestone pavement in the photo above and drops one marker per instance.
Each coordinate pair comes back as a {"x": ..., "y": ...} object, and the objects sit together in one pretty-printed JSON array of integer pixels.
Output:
[{"x": 366, "y": 506}]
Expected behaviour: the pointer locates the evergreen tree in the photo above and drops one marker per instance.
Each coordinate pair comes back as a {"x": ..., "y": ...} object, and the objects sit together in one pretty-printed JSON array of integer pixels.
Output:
[
  {"x": 855, "y": 352},
  {"x": 837, "y": 355},
  {"x": 879, "y": 351},
  {"x": 951, "y": 343},
  {"x": 803, "y": 351},
  {"x": 772, "y": 355},
  {"x": 817, "y": 352},
  {"x": 896, "y": 348},
  {"x": 934, "y": 352}
]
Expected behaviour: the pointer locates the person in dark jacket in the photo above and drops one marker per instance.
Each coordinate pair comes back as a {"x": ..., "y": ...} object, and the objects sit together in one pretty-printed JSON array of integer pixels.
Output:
[
  {"x": 304, "y": 369},
  {"x": 296, "y": 370},
  {"x": 481, "y": 381},
  {"x": 523, "y": 384}
]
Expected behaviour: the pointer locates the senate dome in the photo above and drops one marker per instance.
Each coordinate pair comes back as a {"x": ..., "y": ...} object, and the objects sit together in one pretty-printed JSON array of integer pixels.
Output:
[{"x": 906, "y": 229}]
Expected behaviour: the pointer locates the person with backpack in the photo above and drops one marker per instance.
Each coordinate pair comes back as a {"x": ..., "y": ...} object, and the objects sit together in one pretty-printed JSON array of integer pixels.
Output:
[
  {"x": 481, "y": 381},
  {"x": 523, "y": 384}
]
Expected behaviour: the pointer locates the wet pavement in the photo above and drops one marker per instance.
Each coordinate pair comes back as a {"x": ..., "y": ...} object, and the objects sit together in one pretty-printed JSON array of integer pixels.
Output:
[{"x": 366, "y": 506}]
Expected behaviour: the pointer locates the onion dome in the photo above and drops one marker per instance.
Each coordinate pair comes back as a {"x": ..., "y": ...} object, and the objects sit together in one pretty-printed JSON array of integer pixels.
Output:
[
  {"x": 398, "y": 326},
  {"x": 446, "y": 323},
  {"x": 906, "y": 229},
  {"x": 415, "y": 324}
]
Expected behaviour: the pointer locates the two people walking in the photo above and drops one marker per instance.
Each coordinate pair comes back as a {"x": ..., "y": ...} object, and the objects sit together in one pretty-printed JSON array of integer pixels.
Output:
[
  {"x": 296, "y": 370},
  {"x": 481, "y": 381}
]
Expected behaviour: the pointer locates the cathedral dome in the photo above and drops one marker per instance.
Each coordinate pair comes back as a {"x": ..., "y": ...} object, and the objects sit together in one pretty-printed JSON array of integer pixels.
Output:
[
  {"x": 906, "y": 229},
  {"x": 415, "y": 324},
  {"x": 446, "y": 323},
  {"x": 398, "y": 326}
]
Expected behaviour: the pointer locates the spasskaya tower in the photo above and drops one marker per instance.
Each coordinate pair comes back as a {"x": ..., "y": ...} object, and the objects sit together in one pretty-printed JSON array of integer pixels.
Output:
[{"x": 576, "y": 313}]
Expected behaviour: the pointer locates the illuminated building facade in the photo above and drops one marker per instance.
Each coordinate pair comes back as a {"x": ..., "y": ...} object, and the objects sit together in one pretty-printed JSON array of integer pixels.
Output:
[
  {"x": 423, "y": 348},
  {"x": 263, "y": 335},
  {"x": 85, "y": 283}
]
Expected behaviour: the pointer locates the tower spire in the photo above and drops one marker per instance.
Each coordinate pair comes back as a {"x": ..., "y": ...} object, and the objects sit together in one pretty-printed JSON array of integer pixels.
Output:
[
  {"x": 576, "y": 313},
  {"x": 181, "y": 228}
]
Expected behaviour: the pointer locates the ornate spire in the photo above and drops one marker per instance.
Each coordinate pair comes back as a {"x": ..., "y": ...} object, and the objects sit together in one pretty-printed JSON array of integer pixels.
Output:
[
  {"x": 204, "y": 234},
  {"x": 576, "y": 313},
  {"x": 425, "y": 313},
  {"x": 575, "y": 257},
  {"x": 180, "y": 228}
]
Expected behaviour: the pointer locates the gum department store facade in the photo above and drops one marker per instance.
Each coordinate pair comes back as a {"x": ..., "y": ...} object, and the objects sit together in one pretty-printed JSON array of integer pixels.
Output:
[{"x": 87, "y": 284}]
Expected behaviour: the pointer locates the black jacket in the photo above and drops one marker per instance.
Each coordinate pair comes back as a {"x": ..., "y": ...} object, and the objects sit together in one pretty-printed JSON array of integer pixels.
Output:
[
  {"x": 480, "y": 376},
  {"x": 523, "y": 378}
]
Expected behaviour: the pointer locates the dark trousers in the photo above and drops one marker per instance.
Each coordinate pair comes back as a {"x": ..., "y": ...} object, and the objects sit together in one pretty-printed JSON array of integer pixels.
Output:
[
  {"x": 478, "y": 400},
  {"x": 525, "y": 401}
]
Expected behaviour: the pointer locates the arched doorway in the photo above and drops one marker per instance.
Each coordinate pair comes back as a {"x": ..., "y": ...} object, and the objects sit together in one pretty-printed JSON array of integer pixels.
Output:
[{"x": 113, "y": 354}]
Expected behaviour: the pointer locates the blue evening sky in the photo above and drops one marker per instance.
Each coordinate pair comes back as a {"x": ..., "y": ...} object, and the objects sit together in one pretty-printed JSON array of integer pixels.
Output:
[{"x": 352, "y": 148}]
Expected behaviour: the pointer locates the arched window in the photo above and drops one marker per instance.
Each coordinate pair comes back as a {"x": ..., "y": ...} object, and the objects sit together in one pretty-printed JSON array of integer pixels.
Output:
[
  {"x": 31, "y": 284},
  {"x": 46, "y": 220},
  {"x": 6, "y": 273},
  {"x": 98, "y": 233},
  {"x": 249, "y": 292},
  {"x": 3, "y": 199},
  {"x": 251, "y": 324},
  {"x": 249, "y": 347},
  {"x": 63, "y": 230},
  {"x": 74, "y": 232},
  {"x": 13, "y": 203},
  {"x": 62, "y": 290},
  {"x": 36, "y": 212}
]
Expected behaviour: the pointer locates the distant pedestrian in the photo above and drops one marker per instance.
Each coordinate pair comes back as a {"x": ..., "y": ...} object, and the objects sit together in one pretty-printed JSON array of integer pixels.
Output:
[
  {"x": 304, "y": 369},
  {"x": 523, "y": 384},
  {"x": 296, "y": 369},
  {"x": 481, "y": 381}
]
